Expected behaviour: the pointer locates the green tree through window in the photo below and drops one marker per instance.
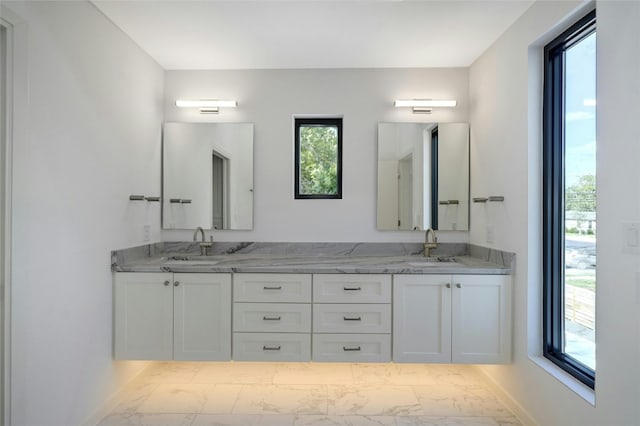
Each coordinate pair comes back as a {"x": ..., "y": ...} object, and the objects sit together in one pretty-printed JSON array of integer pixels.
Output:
[
  {"x": 318, "y": 158},
  {"x": 581, "y": 196}
]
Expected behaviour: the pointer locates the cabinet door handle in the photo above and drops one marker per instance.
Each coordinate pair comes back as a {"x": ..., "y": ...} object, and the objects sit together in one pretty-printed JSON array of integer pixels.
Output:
[
  {"x": 352, "y": 318},
  {"x": 351, "y": 349},
  {"x": 176, "y": 284},
  {"x": 166, "y": 283},
  {"x": 352, "y": 288},
  {"x": 266, "y": 318},
  {"x": 271, "y": 348},
  {"x": 448, "y": 285},
  {"x": 266, "y": 287},
  {"x": 458, "y": 285}
]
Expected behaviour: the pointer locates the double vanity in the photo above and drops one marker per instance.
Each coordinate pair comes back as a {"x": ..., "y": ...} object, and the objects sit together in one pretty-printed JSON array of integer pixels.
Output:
[
  {"x": 325, "y": 302},
  {"x": 341, "y": 302}
]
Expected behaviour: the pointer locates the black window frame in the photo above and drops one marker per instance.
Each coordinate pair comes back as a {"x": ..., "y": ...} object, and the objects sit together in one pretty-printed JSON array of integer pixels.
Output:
[
  {"x": 317, "y": 121},
  {"x": 434, "y": 179},
  {"x": 553, "y": 199}
]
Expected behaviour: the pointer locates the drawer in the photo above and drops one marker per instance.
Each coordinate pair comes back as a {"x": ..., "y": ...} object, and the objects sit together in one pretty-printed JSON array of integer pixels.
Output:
[
  {"x": 352, "y": 288},
  {"x": 352, "y": 318},
  {"x": 271, "y": 347},
  {"x": 272, "y": 317},
  {"x": 282, "y": 288},
  {"x": 352, "y": 347}
]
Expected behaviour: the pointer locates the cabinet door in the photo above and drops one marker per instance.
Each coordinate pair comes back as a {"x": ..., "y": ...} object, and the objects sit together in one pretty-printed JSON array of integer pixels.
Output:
[
  {"x": 481, "y": 318},
  {"x": 422, "y": 318},
  {"x": 143, "y": 316},
  {"x": 202, "y": 317}
]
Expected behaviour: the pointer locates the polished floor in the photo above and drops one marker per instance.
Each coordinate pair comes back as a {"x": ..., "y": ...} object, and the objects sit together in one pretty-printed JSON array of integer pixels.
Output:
[{"x": 288, "y": 394}]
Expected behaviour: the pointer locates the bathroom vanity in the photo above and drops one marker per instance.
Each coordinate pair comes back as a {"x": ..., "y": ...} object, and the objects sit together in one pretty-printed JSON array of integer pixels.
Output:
[{"x": 326, "y": 303}]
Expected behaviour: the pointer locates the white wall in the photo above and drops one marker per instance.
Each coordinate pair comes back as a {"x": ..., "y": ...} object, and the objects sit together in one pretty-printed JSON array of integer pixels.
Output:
[
  {"x": 92, "y": 138},
  {"x": 270, "y": 98},
  {"x": 505, "y": 91},
  {"x": 453, "y": 180}
]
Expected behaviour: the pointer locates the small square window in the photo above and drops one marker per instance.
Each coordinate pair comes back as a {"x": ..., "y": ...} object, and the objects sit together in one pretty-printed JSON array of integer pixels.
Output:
[{"x": 318, "y": 158}]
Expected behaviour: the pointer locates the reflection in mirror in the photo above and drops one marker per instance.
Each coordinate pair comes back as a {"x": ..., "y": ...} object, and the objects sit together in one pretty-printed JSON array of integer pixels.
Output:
[
  {"x": 207, "y": 176},
  {"x": 423, "y": 176}
]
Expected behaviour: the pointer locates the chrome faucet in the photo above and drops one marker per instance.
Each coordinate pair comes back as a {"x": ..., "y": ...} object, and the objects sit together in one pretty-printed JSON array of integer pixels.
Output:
[
  {"x": 204, "y": 245},
  {"x": 430, "y": 243}
]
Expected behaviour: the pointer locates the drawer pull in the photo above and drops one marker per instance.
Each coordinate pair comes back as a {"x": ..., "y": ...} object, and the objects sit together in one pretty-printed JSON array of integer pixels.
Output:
[
  {"x": 271, "y": 348},
  {"x": 278, "y": 287},
  {"x": 352, "y": 318},
  {"x": 265, "y": 318},
  {"x": 352, "y": 288},
  {"x": 352, "y": 349}
]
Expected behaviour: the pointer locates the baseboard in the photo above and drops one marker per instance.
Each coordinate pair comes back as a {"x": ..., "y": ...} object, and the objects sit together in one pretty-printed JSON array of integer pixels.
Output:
[
  {"x": 507, "y": 399},
  {"x": 110, "y": 404}
]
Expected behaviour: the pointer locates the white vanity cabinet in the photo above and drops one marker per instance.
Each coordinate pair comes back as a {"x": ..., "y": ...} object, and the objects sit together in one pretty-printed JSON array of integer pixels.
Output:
[
  {"x": 164, "y": 316},
  {"x": 271, "y": 317},
  {"x": 352, "y": 317},
  {"x": 452, "y": 318},
  {"x": 321, "y": 317}
]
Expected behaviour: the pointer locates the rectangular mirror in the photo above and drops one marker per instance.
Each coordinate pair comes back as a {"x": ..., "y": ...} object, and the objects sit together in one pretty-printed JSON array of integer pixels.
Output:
[
  {"x": 423, "y": 176},
  {"x": 207, "y": 176}
]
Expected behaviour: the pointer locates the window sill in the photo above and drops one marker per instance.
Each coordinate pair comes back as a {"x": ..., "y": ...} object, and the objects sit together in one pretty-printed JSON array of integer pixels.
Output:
[{"x": 566, "y": 379}]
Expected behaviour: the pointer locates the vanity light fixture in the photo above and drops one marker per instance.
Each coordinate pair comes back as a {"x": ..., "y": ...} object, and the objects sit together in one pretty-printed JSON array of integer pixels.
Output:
[
  {"x": 424, "y": 106},
  {"x": 207, "y": 106}
]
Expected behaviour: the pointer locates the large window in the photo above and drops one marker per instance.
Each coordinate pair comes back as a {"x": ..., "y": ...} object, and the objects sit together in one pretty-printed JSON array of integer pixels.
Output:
[
  {"x": 318, "y": 157},
  {"x": 569, "y": 225}
]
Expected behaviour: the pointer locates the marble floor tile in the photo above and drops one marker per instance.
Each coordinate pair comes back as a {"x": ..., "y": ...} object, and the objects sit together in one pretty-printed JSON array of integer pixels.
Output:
[
  {"x": 508, "y": 421},
  {"x": 221, "y": 398},
  {"x": 137, "y": 394},
  {"x": 311, "y": 420},
  {"x": 392, "y": 374},
  {"x": 236, "y": 372},
  {"x": 413, "y": 374},
  {"x": 171, "y": 372},
  {"x": 445, "y": 421},
  {"x": 191, "y": 398},
  {"x": 313, "y": 374},
  {"x": 373, "y": 400},
  {"x": 308, "y": 394},
  {"x": 282, "y": 399},
  {"x": 244, "y": 420},
  {"x": 457, "y": 400},
  {"x": 137, "y": 419},
  {"x": 455, "y": 374}
]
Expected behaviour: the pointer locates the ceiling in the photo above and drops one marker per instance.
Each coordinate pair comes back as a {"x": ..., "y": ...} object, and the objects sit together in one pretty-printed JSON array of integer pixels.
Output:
[{"x": 265, "y": 34}]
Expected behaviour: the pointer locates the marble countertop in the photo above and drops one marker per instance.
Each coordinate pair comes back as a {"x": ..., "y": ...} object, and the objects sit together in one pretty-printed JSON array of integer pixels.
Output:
[{"x": 303, "y": 258}]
